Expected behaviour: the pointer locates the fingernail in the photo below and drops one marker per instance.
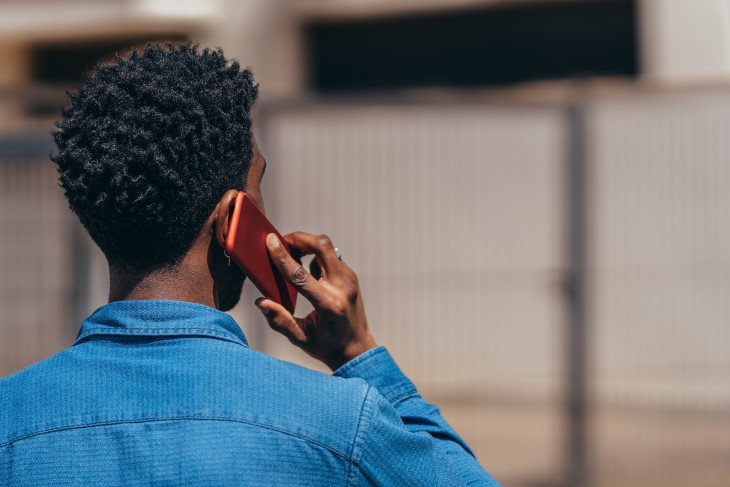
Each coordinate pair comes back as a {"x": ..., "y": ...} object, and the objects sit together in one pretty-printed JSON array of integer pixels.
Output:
[{"x": 273, "y": 240}]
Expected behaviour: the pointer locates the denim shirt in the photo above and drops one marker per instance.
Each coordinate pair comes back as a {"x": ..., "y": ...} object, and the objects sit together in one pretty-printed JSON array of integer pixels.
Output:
[{"x": 169, "y": 393}]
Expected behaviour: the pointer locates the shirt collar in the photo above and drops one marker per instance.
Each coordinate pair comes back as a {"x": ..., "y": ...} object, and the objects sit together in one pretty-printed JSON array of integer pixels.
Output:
[{"x": 161, "y": 318}]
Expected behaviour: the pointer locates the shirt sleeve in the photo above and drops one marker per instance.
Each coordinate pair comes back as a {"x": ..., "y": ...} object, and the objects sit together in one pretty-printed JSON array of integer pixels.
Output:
[{"x": 407, "y": 441}]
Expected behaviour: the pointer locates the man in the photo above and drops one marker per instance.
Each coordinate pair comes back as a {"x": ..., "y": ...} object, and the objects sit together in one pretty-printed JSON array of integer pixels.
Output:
[{"x": 160, "y": 387}]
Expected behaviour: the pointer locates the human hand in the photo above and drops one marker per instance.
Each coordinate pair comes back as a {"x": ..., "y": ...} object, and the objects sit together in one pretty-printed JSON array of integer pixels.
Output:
[{"x": 337, "y": 330}]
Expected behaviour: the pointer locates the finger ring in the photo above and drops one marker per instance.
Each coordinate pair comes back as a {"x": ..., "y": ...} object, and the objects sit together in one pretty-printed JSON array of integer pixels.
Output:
[{"x": 339, "y": 254}]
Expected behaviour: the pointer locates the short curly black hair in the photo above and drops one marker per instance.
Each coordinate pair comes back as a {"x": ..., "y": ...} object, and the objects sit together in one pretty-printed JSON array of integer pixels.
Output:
[{"x": 148, "y": 146}]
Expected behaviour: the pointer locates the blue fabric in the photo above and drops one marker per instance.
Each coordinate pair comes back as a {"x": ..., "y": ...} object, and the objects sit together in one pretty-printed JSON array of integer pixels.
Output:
[{"x": 169, "y": 393}]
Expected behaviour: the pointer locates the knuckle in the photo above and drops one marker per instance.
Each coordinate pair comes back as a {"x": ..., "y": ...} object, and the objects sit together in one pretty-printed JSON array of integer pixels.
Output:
[
  {"x": 280, "y": 256},
  {"x": 337, "y": 308},
  {"x": 324, "y": 242},
  {"x": 275, "y": 324},
  {"x": 353, "y": 277},
  {"x": 308, "y": 323},
  {"x": 352, "y": 292},
  {"x": 300, "y": 276},
  {"x": 350, "y": 277}
]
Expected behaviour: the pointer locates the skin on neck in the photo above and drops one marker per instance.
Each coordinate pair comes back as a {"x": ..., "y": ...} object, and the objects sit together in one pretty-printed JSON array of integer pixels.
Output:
[
  {"x": 203, "y": 275},
  {"x": 191, "y": 280}
]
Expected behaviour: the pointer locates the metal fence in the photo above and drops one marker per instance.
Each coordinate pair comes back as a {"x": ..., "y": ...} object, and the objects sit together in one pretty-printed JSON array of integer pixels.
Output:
[
  {"x": 37, "y": 255},
  {"x": 659, "y": 282},
  {"x": 554, "y": 277}
]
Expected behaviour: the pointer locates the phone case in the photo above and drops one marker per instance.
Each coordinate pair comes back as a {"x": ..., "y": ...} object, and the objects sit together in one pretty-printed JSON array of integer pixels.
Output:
[{"x": 246, "y": 245}]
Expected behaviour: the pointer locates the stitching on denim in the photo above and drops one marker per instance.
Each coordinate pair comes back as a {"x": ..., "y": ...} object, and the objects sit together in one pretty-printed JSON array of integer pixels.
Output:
[
  {"x": 360, "y": 434},
  {"x": 406, "y": 395},
  {"x": 397, "y": 392},
  {"x": 359, "y": 421},
  {"x": 358, "y": 360},
  {"x": 156, "y": 331},
  {"x": 172, "y": 418},
  {"x": 161, "y": 332}
]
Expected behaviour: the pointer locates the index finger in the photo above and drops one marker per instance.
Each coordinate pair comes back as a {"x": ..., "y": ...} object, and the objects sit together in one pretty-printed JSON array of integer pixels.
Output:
[{"x": 296, "y": 274}]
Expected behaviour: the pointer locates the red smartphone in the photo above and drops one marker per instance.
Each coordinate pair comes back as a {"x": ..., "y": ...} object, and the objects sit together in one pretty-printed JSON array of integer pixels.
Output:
[{"x": 246, "y": 245}]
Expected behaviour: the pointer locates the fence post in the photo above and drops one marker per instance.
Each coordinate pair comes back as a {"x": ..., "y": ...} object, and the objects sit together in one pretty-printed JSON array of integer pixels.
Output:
[{"x": 576, "y": 336}]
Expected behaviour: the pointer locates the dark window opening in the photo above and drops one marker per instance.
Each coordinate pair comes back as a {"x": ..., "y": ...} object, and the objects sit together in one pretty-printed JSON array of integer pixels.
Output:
[
  {"x": 61, "y": 66},
  {"x": 488, "y": 46},
  {"x": 67, "y": 63}
]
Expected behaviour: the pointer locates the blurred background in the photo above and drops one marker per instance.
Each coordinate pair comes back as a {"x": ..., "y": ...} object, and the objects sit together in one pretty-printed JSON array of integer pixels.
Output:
[{"x": 534, "y": 194}]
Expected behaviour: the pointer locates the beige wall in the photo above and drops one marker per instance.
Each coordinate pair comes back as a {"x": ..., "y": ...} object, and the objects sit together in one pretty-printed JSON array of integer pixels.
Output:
[{"x": 685, "y": 41}]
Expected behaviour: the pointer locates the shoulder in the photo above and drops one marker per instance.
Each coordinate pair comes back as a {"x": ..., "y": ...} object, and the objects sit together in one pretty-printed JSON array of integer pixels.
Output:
[
  {"x": 21, "y": 382},
  {"x": 290, "y": 375},
  {"x": 31, "y": 392},
  {"x": 301, "y": 402},
  {"x": 308, "y": 393}
]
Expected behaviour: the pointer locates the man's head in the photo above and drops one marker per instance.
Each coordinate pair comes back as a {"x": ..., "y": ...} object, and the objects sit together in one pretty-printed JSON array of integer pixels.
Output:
[{"x": 149, "y": 148}]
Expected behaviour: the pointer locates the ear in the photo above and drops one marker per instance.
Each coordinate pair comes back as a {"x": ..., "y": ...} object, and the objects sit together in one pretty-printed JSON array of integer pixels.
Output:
[{"x": 222, "y": 216}]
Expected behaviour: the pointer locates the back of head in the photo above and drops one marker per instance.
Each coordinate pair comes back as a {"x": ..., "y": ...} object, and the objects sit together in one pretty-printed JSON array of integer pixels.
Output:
[{"x": 149, "y": 145}]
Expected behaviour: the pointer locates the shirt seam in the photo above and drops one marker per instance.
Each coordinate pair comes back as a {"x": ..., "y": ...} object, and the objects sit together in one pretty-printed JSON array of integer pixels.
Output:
[
  {"x": 405, "y": 395},
  {"x": 358, "y": 360},
  {"x": 172, "y": 418},
  {"x": 171, "y": 332},
  {"x": 360, "y": 435},
  {"x": 398, "y": 391}
]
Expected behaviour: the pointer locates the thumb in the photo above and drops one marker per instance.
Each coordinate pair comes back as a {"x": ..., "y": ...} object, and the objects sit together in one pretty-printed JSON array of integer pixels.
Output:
[{"x": 281, "y": 320}]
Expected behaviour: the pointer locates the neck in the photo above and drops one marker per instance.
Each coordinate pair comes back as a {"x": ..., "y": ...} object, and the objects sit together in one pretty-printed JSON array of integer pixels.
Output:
[{"x": 184, "y": 282}]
